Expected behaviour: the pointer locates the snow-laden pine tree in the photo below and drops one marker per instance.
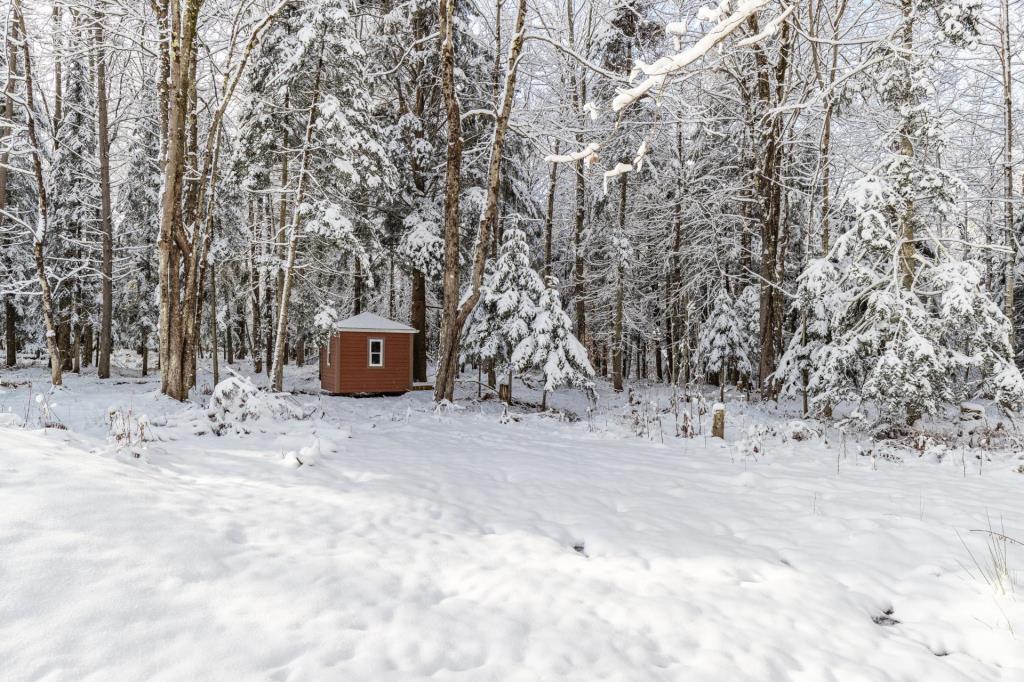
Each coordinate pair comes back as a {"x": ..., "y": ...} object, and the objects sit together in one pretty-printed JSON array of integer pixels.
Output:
[
  {"x": 421, "y": 246},
  {"x": 723, "y": 342},
  {"x": 818, "y": 297},
  {"x": 748, "y": 305},
  {"x": 552, "y": 347},
  {"x": 508, "y": 305},
  {"x": 906, "y": 348},
  {"x": 897, "y": 316}
]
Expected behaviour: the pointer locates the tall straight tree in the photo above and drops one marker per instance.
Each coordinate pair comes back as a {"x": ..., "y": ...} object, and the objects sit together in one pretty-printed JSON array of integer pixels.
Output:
[
  {"x": 106, "y": 222},
  {"x": 184, "y": 231},
  {"x": 457, "y": 308},
  {"x": 19, "y": 34}
]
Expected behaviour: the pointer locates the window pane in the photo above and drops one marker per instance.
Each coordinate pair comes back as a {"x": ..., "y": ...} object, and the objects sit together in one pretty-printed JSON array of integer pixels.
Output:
[{"x": 376, "y": 353}]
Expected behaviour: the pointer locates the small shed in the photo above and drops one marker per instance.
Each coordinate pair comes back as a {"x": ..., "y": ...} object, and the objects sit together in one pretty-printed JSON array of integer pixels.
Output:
[{"x": 367, "y": 354}]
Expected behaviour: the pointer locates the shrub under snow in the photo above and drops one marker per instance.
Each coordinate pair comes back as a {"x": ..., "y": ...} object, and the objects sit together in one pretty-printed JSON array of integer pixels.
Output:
[{"x": 237, "y": 404}]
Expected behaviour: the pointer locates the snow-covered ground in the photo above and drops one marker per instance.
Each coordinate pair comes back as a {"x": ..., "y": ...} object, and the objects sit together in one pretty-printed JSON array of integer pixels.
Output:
[{"x": 461, "y": 545}]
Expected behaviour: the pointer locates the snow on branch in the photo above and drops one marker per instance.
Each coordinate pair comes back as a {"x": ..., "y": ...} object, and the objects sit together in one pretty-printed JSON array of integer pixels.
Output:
[
  {"x": 769, "y": 29},
  {"x": 620, "y": 169},
  {"x": 661, "y": 70},
  {"x": 586, "y": 154}
]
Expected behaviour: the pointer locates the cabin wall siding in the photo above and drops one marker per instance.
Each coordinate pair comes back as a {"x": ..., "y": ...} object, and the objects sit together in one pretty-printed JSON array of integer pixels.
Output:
[
  {"x": 330, "y": 376},
  {"x": 351, "y": 371}
]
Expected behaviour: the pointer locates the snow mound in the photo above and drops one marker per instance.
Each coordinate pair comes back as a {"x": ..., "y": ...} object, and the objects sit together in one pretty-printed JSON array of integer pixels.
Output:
[
  {"x": 309, "y": 455},
  {"x": 11, "y": 420},
  {"x": 799, "y": 430},
  {"x": 238, "y": 405}
]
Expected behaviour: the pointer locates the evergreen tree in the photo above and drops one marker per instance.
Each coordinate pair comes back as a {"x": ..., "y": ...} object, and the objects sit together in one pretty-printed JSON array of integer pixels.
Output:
[
  {"x": 723, "y": 344},
  {"x": 508, "y": 306},
  {"x": 552, "y": 347},
  {"x": 909, "y": 350}
]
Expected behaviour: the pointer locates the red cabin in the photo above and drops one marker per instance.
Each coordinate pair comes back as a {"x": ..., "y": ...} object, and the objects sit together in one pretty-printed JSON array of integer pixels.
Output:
[{"x": 367, "y": 354}]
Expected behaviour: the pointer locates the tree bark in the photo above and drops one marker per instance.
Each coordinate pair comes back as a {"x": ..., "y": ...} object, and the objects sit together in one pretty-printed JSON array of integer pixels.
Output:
[
  {"x": 42, "y": 204},
  {"x": 444, "y": 384},
  {"x": 213, "y": 324},
  {"x": 620, "y": 277},
  {"x": 455, "y": 315},
  {"x": 906, "y": 148},
  {"x": 106, "y": 228},
  {"x": 357, "y": 287},
  {"x": 10, "y": 313},
  {"x": 144, "y": 352},
  {"x": 549, "y": 216},
  {"x": 256, "y": 283},
  {"x": 184, "y": 234},
  {"x": 1005, "y": 57},
  {"x": 229, "y": 334},
  {"x": 419, "y": 322},
  {"x": 176, "y": 251},
  {"x": 578, "y": 94}
]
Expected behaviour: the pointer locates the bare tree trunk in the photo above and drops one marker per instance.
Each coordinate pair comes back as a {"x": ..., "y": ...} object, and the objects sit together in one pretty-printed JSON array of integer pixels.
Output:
[
  {"x": 549, "y": 216},
  {"x": 58, "y": 72},
  {"x": 418, "y": 299},
  {"x": 678, "y": 307},
  {"x": 280, "y": 240},
  {"x": 578, "y": 94},
  {"x": 184, "y": 234},
  {"x": 455, "y": 315},
  {"x": 106, "y": 228},
  {"x": 357, "y": 287},
  {"x": 444, "y": 385},
  {"x": 1005, "y": 57},
  {"x": 42, "y": 205},
  {"x": 906, "y": 148},
  {"x": 10, "y": 313},
  {"x": 213, "y": 324},
  {"x": 256, "y": 283},
  {"x": 229, "y": 334},
  {"x": 176, "y": 251},
  {"x": 391, "y": 287},
  {"x": 10, "y": 331},
  {"x": 144, "y": 352},
  {"x": 419, "y": 322},
  {"x": 769, "y": 191},
  {"x": 293, "y": 237},
  {"x": 619, "y": 294}
]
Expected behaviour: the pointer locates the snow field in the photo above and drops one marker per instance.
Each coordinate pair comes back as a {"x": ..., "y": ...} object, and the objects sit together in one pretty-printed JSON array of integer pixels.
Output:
[{"x": 453, "y": 547}]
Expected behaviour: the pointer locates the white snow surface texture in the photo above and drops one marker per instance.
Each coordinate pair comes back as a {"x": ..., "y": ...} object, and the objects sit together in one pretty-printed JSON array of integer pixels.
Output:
[{"x": 441, "y": 546}]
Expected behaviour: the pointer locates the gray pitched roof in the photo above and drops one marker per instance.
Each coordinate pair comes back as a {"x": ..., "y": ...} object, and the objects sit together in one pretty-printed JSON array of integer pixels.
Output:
[{"x": 368, "y": 322}]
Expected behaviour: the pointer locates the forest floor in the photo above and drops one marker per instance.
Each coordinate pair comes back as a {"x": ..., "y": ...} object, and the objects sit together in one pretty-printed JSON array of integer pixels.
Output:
[{"x": 467, "y": 544}]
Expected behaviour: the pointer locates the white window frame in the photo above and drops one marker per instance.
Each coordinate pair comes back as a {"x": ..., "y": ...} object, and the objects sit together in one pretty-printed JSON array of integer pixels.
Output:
[
  {"x": 330, "y": 347},
  {"x": 369, "y": 352}
]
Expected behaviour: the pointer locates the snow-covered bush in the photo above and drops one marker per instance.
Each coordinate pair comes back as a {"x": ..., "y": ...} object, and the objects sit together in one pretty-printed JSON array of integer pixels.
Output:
[
  {"x": 128, "y": 429},
  {"x": 799, "y": 430},
  {"x": 237, "y": 404}
]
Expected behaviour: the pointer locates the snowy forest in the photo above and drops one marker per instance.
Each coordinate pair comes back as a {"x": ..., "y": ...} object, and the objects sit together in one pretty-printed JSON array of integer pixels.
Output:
[
  {"x": 814, "y": 200},
  {"x": 611, "y": 229}
]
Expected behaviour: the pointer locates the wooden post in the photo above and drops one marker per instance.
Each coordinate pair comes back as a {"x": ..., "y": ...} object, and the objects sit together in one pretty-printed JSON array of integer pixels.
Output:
[{"x": 718, "y": 421}]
